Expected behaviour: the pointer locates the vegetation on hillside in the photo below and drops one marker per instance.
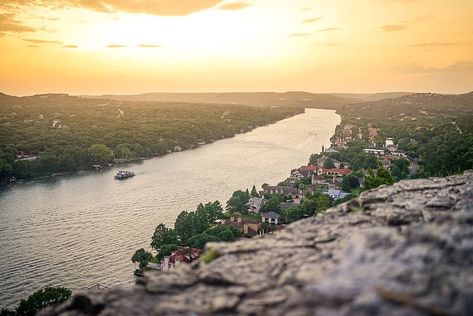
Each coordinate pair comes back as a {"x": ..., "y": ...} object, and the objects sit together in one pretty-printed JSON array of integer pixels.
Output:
[
  {"x": 38, "y": 300},
  {"x": 69, "y": 134},
  {"x": 436, "y": 129}
]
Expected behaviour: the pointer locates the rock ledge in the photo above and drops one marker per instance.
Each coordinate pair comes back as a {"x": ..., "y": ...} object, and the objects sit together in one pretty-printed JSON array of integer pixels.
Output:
[{"x": 406, "y": 249}]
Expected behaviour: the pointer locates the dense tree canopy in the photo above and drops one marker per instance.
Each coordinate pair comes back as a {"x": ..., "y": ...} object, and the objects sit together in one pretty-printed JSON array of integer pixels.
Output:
[
  {"x": 64, "y": 131},
  {"x": 39, "y": 300}
]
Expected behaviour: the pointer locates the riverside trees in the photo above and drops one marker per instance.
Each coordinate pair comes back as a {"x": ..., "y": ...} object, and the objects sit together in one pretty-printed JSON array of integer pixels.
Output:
[{"x": 68, "y": 134}]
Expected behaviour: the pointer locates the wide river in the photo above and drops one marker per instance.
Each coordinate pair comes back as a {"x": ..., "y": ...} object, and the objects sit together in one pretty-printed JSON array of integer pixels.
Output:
[{"x": 80, "y": 230}]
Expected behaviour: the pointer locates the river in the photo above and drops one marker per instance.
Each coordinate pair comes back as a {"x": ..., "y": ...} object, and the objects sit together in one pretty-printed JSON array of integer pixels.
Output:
[{"x": 80, "y": 230}]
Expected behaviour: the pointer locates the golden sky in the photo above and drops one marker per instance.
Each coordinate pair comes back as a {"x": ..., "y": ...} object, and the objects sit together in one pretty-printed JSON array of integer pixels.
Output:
[{"x": 135, "y": 46}]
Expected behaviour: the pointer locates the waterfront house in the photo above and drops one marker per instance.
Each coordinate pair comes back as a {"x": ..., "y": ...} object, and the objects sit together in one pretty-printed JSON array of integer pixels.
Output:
[
  {"x": 183, "y": 255},
  {"x": 270, "y": 217},
  {"x": 254, "y": 204},
  {"x": 283, "y": 190},
  {"x": 248, "y": 227}
]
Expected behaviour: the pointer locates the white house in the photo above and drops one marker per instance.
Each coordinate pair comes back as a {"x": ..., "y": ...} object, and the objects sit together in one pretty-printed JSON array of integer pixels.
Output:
[
  {"x": 374, "y": 151},
  {"x": 254, "y": 204}
]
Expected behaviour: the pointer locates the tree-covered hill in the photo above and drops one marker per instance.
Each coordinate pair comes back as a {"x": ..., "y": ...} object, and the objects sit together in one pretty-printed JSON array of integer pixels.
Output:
[
  {"x": 434, "y": 127},
  {"x": 61, "y": 130},
  {"x": 291, "y": 98}
]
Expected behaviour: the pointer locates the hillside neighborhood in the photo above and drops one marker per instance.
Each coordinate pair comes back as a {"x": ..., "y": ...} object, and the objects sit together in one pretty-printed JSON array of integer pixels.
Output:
[{"x": 309, "y": 189}]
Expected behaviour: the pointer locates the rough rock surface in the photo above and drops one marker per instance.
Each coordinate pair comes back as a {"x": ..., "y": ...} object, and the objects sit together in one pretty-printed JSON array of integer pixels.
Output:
[{"x": 406, "y": 249}]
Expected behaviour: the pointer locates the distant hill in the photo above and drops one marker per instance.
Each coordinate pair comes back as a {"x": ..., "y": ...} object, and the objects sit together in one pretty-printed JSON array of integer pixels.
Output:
[
  {"x": 293, "y": 98},
  {"x": 372, "y": 96}
]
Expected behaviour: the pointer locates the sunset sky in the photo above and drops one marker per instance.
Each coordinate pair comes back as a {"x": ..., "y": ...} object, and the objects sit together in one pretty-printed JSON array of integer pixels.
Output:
[{"x": 135, "y": 46}]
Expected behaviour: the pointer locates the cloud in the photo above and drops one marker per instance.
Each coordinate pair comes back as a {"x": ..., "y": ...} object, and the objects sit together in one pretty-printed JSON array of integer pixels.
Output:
[
  {"x": 8, "y": 24},
  {"x": 149, "y": 46},
  {"x": 70, "y": 46},
  {"x": 233, "y": 6},
  {"x": 328, "y": 29},
  {"x": 116, "y": 46},
  {"x": 312, "y": 20},
  {"x": 434, "y": 44},
  {"x": 332, "y": 44},
  {"x": 154, "y": 7},
  {"x": 393, "y": 27},
  {"x": 299, "y": 34},
  {"x": 459, "y": 67},
  {"x": 40, "y": 41}
]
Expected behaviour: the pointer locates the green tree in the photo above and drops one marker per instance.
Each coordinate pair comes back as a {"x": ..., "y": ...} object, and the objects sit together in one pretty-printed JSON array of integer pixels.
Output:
[
  {"x": 309, "y": 206},
  {"x": 272, "y": 204},
  {"x": 292, "y": 214},
  {"x": 323, "y": 202},
  {"x": 163, "y": 236},
  {"x": 237, "y": 203},
  {"x": 189, "y": 224},
  {"x": 313, "y": 159},
  {"x": 42, "y": 298},
  {"x": 350, "y": 182},
  {"x": 222, "y": 232},
  {"x": 142, "y": 257},
  {"x": 373, "y": 180},
  {"x": 166, "y": 250},
  {"x": 199, "y": 241},
  {"x": 122, "y": 151},
  {"x": 254, "y": 192},
  {"x": 371, "y": 162},
  {"x": 329, "y": 163},
  {"x": 400, "y": 169},
  {"x": 100, "y": 154},
  {"x": 213, "y": 211}
]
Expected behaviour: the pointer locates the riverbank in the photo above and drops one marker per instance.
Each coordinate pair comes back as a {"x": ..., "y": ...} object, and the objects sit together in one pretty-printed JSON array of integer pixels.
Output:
[{"x": 86, "y": 218}]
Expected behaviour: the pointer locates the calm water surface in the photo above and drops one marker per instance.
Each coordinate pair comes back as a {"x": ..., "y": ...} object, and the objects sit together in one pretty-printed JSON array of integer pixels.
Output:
[{"x": 77, "y": 231}]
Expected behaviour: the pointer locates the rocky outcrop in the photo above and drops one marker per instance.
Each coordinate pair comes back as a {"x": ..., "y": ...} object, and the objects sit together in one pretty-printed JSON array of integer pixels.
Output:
[{"x": 406, "y": 249}]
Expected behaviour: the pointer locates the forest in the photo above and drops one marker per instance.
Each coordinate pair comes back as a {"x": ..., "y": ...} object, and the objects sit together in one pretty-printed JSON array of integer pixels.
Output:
[{"x": 53, "y": 133}]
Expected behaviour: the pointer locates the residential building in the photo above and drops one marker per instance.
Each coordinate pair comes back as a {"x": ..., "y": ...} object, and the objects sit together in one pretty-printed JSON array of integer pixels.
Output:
[
  {"x": 335, "y": 194},
  {"x": 248, "y": 227},
  {"x": 283, "y": 190},
  {"x": 374, "y": 151},
  {"x": 270, "y": 217},
  {"x": 183, "y": 255},
  {"x": 254, "y": 204}
]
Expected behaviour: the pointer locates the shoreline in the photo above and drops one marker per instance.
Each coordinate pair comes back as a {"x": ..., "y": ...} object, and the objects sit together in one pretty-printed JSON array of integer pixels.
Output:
[{"x": 139, "y": 160}]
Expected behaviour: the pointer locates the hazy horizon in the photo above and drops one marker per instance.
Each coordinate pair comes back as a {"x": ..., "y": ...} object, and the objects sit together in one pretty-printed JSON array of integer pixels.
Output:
[{"x": 217, "y": 92}]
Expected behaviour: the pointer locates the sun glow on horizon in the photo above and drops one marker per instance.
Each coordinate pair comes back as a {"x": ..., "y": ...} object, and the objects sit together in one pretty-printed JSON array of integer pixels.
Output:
[{"x": 235, "y": 46}]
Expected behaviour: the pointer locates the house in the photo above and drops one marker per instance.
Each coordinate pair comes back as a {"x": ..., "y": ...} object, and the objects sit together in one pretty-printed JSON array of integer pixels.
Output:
[
  {"x": 25, "y": 156},
  {"x": 335, "y": 194},
  {"x": 283, "y": 190},
  {"x": 270, "y": 217},
  {"x": 297, "y": 175},
  {"x": 183, "y": 255},
  {"x": 374, "y": 151},
  {"x": 334, "y": 171},
  {"x": 248, "y": 227},
  {"x": 331, "y": 150},
  {"x": 254, "y": 204},
  {"x": 389, "y": 142},
  {"x": 399, "y": 154}
]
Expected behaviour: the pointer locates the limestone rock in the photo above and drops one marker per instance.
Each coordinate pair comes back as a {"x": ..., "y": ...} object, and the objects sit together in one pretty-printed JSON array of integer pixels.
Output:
[{"x": 405, "y": 249}]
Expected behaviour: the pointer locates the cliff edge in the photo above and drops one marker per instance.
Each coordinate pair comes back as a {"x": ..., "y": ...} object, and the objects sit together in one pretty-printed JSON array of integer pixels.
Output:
[{"x": 405, "y": 249}]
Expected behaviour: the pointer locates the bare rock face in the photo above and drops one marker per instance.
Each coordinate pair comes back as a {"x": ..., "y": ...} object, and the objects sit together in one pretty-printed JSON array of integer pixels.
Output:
[{"x": 405, "y": 249}]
